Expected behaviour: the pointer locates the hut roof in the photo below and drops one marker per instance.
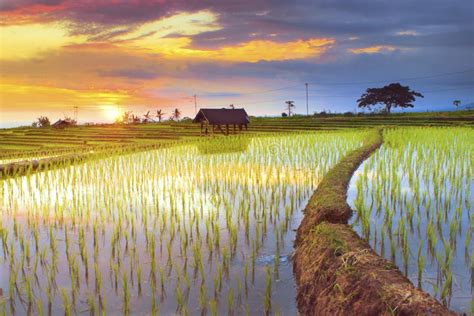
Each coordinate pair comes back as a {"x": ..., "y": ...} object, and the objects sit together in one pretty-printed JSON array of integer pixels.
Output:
[
  {"x": 63, "y": 123},
  {"x": 222, "y": 116}
]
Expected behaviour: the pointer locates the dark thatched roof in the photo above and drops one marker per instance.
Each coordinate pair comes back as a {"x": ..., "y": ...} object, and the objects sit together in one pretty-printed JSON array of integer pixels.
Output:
[
  {"x": 63, "y": 123},
  {"x": 222, "y": 116}
]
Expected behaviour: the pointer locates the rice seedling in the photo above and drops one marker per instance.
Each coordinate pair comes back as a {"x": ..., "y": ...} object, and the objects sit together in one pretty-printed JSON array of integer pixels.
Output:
[
  {"x": 196, "y": 226},
  {"x": 268, "y": 291},
  {"x": 422, "y": 187}
]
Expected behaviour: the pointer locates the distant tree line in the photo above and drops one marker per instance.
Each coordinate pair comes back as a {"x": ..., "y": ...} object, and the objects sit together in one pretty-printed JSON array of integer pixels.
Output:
[
  {"x": 390, "y": 96},
  {"x": 129, "y": 118}
]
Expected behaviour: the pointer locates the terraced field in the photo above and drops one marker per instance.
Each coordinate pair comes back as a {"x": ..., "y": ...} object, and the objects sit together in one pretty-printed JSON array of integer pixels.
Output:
[{"x": 27, "y": 142}]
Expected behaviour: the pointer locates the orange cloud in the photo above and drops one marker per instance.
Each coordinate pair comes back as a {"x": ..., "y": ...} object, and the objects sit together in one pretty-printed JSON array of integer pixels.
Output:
[
  {"x": 30, "y": 40},
  {"x": 53, "y": 97},
  {"x": 373, "y": 49},
  {"x": 252, "y": 51},
  {"x": 258, "y": 50}
]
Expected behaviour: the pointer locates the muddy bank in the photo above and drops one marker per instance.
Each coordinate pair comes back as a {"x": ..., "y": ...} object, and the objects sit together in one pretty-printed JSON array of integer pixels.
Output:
[{"x": 337, "y": 273}]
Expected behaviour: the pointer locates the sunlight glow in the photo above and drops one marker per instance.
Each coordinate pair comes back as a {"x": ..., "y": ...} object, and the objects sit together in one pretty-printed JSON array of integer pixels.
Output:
[{"x": 111, "y": 112}]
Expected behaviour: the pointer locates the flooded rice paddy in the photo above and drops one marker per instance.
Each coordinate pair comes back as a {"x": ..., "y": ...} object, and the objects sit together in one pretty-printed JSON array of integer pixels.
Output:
[
  {"x": 414, "y": 205},
  {"x": 195, "y": 229}
]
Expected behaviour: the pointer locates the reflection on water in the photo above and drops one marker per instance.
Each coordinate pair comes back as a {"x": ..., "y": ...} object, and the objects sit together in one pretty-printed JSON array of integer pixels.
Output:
[
  {"x": 223, "y": 145},
  {"x": 163, "y": 231},
  {"x": 413, "y": 202}
]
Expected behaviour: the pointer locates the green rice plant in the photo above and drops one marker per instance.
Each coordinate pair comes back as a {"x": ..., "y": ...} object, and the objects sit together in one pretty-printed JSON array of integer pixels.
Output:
[
  {"x": 91, "y": 304},
  {"x": 230, "y": 300},
  {"x": 143, "y": 219},
  {"x": 213, "y": 307},
  {"x": 179, "y": 298},
  {"x": 126, "y": 294},
  {"x": 421, "y": 263},
  {"x": 66, "y": 306},
  {"x": 422, "y": 186},
  {"x": 268, "y": 291}
]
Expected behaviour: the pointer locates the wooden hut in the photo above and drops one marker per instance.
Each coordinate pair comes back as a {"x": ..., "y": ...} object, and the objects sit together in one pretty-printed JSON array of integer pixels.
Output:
[
  {"x": 222, "y": 119},
  {"x": 64, "y": 123}
]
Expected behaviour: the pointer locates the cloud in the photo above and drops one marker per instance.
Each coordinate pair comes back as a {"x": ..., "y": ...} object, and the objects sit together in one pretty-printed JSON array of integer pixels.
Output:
[
  {"x": 130, "y": 73},
  {"x": 159, "y": 52},
  {"x": 31, "y": 40},
  {"x": 251, "y": 51},
  {"x": 373, "y": 49},
  {"x": 54, "y": 97},
  {"x": 408, "y": 33}
]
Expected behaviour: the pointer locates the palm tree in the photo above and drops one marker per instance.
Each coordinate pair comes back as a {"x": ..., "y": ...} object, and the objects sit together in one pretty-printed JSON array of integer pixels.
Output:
[
  {"x": 126, "y": 117},
  {"x": 160, "y": 114},
  {"x": 147, "y": 117},
  {"x": 289, "y": 106},
  {"x": 135, "y": 119},
  {"x": 176, "y": 114}
]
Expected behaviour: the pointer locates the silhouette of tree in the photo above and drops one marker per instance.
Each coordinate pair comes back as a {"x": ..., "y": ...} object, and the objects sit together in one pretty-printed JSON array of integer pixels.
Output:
[
  {"x": 147, "y": 117},
  {"x": 160, "y": 114},
  {"x": 392, "y": 96},
  {"x": 125, "y": 118},
  {"x": 42, "y": 121},
  {"x": 283, "y": 114},
  {"x": 289, "y": 106},
  {"x": 135, "y": 119},
  {"x": 231, "y": 106},
  {"x": 457, "y": 103},
  {"x": 176, "y": 114}
]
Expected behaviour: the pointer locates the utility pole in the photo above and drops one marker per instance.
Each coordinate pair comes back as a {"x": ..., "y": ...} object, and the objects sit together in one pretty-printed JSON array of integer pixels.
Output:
[
  {"x": 195, "y": 105},
  {"x": 76, "y": 108},
  {"x": 307, "y": 108}
]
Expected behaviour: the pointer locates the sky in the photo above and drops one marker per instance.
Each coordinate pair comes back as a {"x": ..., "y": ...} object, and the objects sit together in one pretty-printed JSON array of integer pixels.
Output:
[{"x": 109, "y": 56}]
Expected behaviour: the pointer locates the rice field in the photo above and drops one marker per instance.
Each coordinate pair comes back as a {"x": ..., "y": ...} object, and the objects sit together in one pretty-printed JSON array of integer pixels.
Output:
[
  {"x": 413, "y": 200},
  {"x": 201, "y": 228}
]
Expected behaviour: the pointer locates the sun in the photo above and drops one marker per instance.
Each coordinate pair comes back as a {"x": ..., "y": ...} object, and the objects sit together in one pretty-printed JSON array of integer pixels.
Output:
[{"x": 111, "y": 112}]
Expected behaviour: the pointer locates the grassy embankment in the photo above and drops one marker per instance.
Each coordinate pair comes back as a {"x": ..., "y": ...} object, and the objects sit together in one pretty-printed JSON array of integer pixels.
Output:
[{"x": 336, "y": 271}]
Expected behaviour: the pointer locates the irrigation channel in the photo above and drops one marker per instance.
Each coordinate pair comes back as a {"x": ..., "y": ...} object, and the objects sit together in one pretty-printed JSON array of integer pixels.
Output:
[
  {"x": 413, "y": 200},
  {"x": 205, "y": 227}
]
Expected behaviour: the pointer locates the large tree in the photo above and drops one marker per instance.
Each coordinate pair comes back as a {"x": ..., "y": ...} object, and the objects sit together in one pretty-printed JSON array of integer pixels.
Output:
[
  {"x": 392, "y": 96},
  {"x": 42, "y": 121}
]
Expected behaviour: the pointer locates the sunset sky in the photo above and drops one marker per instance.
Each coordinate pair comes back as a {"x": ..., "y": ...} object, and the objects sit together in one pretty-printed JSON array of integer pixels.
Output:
[{"x": 111, "y": 56}]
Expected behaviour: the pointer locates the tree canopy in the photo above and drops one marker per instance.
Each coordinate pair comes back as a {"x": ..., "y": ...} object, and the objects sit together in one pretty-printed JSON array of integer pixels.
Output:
[{"x": 391, "y": 96}]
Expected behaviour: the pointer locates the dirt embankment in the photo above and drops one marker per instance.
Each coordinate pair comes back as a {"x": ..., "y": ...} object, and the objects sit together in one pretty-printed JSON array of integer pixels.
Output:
[{"x": 337, "y": 273}]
